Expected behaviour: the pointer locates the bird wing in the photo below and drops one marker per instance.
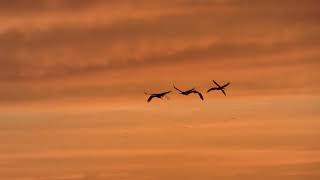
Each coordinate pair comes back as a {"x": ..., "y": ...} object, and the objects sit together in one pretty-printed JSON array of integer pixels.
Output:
[
  {"x": 177, "y": 89},
  {"x": 223, "y": 92},
  {"x": 163, "y": 94},
  {"x": 216, "y": 83},
  {"x": 211, "y": 89},
  {"x": 150, "y": 98},
  {"x": 200, "y": 95},
  {"x": 166, "y": 92},
  {"x": 226, "y": 85}
]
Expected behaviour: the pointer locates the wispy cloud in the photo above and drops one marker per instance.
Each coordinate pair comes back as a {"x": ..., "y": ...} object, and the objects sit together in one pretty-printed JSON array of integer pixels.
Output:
[{"x": 48, "y": 42}]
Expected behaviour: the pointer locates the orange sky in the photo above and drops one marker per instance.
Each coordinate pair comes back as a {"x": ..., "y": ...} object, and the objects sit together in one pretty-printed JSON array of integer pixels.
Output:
[{"x": 73, "y": 73}]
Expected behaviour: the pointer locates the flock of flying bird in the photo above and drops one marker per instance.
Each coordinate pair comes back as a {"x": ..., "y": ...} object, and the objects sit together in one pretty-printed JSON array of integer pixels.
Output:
[{"x": 190, "y": 91}]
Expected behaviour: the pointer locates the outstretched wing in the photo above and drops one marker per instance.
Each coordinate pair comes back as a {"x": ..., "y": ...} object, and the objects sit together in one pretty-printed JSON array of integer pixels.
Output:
[
  {"x": 166, "y": 93},
  {"x": 150, "y": 98},
  {"x": 216, "y": 83},
  {"x": 200, "y": 95},
  {"x": 211, "y": 89},
  {"x": 177, "y": 89},
  {"x": 226, "y": 85},
  {"x": 223, "y": 92},
  {"x": 163, "y": 94}
]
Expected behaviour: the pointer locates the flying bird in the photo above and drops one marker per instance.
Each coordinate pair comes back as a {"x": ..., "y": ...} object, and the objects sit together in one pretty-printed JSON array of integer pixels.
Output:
[
  {"x": 219, "y": 88},
  {"x": 158, "y": 95},
  {"x": 189, "y": 92}
]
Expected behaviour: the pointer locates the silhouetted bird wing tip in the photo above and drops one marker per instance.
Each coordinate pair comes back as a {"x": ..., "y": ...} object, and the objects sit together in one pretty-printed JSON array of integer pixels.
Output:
[
  {"x": 216, "y": 83},
  {"x": 224, "y": 92},
  {"x": 200, "y": 95},
  {"x": 226, "y": 85},
  {"x": 176, "y": 88},
  {"x": 150, "y": 98}
]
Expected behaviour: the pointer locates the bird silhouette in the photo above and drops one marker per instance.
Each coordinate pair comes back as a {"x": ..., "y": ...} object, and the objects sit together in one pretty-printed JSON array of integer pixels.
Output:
[
  {"x": 219, "y": 88},
  {"x": 157, "y": 95},
  {"x": 189, "y": 92}
]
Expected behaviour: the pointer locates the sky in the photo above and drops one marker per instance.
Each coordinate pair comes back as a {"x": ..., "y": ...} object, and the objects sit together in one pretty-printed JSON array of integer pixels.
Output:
[{"x": 73, "y": 75}]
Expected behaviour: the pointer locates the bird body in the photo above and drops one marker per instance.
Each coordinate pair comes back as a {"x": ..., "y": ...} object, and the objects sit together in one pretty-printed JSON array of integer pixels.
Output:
[
  {"x": 189, "y": 92},
  {"x": 157, "y": 95},
  {"x": 219, "y": 88}
]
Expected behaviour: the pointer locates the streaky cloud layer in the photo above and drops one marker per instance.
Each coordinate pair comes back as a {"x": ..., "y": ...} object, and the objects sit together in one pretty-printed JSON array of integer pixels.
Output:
[{"x": 73, "y": 73}]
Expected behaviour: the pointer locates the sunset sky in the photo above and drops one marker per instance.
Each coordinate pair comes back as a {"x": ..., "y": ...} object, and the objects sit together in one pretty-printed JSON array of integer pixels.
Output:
[{"x": 73, "y": 75}]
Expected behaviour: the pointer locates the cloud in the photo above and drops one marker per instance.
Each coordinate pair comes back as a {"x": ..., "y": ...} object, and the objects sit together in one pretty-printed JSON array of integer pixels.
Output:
[{"x": 93, "y": 40}]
